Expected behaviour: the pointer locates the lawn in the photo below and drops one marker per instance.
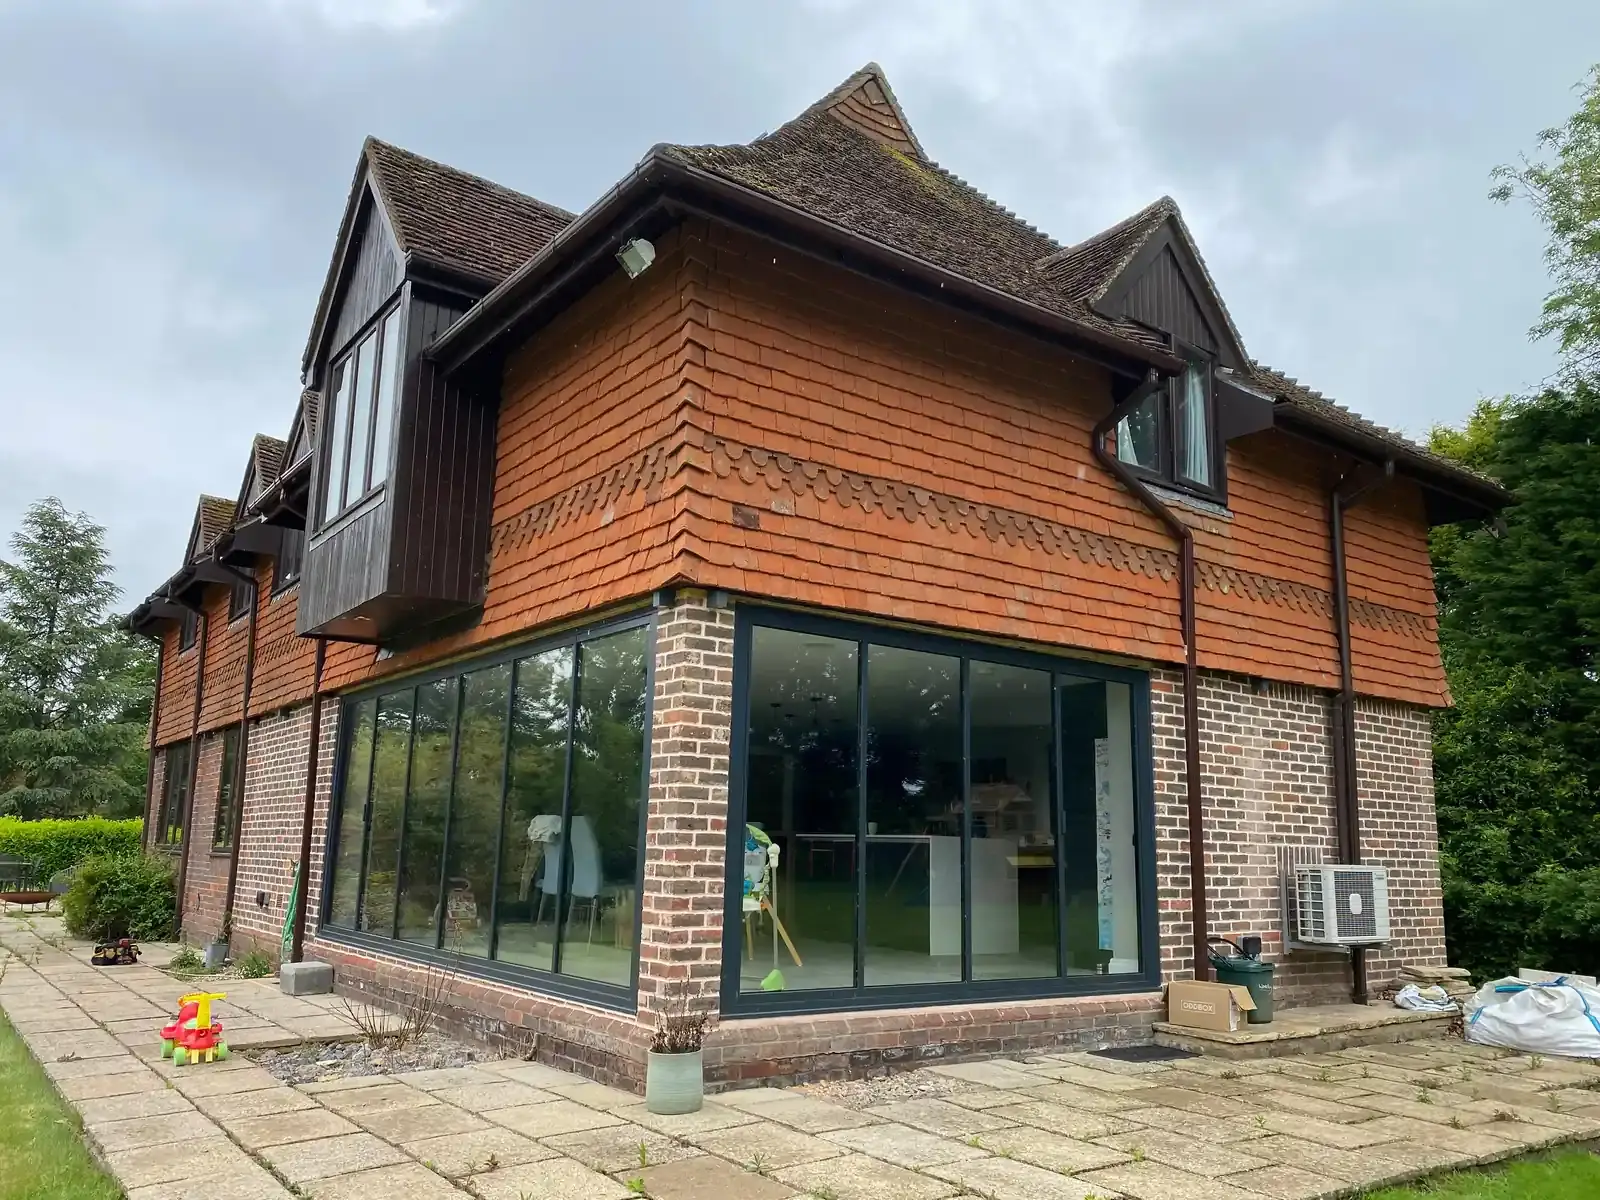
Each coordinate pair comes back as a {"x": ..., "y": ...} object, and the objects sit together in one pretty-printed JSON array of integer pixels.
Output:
[
  {"x": 1571, "y": 1175},
  {"x": 42, "y": 1155}
]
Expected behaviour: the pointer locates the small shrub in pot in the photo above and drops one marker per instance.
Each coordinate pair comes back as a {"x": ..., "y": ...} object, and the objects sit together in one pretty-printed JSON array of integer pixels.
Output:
[{"x": 674, "y": 1080}]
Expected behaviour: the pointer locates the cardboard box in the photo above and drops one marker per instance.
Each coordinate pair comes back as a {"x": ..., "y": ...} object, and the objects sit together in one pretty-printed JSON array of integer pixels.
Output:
[{"x": 1208, "y": 1005}]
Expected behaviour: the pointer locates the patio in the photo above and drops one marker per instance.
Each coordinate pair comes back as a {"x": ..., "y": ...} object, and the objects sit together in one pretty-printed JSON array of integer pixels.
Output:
[{"x": 1063, "y": 1125}]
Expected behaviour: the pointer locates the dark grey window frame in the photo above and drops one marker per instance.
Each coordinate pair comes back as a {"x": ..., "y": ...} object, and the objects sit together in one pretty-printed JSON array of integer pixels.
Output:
[
  {"x": 188, "y": 630},
  {"x": 346, "y": 358},
  {"x": 1166, "y": 474},
  {"x": 228, "y": 801},
  {"x": 551, "y": 983},
  {"x": 284, "y": 578},
  {"x": 241, "y": 599},
  {"x": 174, "y": 798},
  {"x": 861, "y": 997}
]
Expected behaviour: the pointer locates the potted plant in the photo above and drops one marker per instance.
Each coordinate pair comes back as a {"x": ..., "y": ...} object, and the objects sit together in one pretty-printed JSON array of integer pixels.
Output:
[
  {"x": 217, "y": 950},
  {"x": 674, "y": 1077}
]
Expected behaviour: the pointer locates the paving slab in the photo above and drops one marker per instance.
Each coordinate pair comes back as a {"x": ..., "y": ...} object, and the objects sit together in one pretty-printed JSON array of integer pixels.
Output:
[
  {"x": 1116, "y": 1066},
  {"x": 857, "y": 1177},
  {"x": 907, "y": 1147},
  {"x": 1074, "y": 1095},
  {"x": 414, "y": 1124},
  {"x": 1049, "y": 1150},
  {"x": 158, "y": 1164},
  {"x": 1333, "y": 1133},
  {"x": 1157, "y": 1181},
  {"x": 1090, "y": 1077},
  {"x": 404, "y": 1181},
  {"x": 173, "y": 1129},
  {"x": 1199, "y": 1126},
  {"x": 382, "y": 1098},
  {"x": 552, "y": 1179},
  {"x": 1480, "y": 1141},
  {"x": 616, "y": 1148},
  {"x": 123, "y": 1083},
  {"x": 204, "y": 1081},
  {"x": 134, "y": 1104},
  {"x": 1058, "y": 1118},
  {"x": 444, "y": 1077},
  {"x": 257, "y": 1133},
  {"x": 248, "y": 1182},
  {"x": 303, "y": 1162},
  {"x": 549, "y": 1119},
  {"x": 1185, "y": 1153},
  {"x": 943, "y": 1118},
  {"x": 766, "y": 1146},
  {"x": 810, "y": 1115},
  {"x": 996, "y": 1074},
  {"x": 594, "y": 1095},
  {"x": 711, "y": 1116},
  {"x": 481, "y": 1097},
  {"x": 1285, "y": 1183},
  {"x": 1004, "y": 1179},
  {"x": 461, "y": 1154},
  {"x": 227, "y": 1107},
  {"x": 1363, "y": 1168},
  {"x": 1328, "y": 1110}
]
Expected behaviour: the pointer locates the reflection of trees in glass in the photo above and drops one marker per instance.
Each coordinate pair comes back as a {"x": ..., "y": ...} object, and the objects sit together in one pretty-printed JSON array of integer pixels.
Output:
[
  {"x": 423, "y": 855},
  {"x": 475, "y": 808},
  {"x": 389, "y": 760},
  {"x": 608, "y": 746},
  {"x": 913, "y": 739},
  {"x": 535, "y": 782},
  {"x": 352, "y": 815},
  {"x": 803, "y": 705}
]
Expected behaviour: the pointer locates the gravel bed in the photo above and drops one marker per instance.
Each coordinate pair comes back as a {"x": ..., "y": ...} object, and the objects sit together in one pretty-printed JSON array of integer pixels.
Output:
[
  {"x": 315, "y": 1062},
  {"x": 885, "y": 1089}
]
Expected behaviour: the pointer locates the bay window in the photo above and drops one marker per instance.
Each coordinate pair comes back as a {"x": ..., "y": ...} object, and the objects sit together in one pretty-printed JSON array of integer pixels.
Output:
[{"x": 365, "y": 386}]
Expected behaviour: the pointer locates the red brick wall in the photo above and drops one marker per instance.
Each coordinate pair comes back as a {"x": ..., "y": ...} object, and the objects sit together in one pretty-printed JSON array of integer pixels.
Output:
[
  {"x": 206, "y": 880},
  {"x": 274, "y": 804},
  {"x": 1267, "y": 781}
]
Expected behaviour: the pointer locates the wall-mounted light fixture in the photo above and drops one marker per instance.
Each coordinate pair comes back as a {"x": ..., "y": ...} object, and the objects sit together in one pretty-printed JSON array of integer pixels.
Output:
[{"x": 636, "y": 256}]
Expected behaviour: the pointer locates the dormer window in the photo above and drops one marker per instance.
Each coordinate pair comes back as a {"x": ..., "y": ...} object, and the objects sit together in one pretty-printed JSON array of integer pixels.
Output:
[
  {"x": 239, "y": 600},
  {"x": 188, "y": 630},
  {"x": 365, "y": 386},
  {"x": 1171, "y": 437}
]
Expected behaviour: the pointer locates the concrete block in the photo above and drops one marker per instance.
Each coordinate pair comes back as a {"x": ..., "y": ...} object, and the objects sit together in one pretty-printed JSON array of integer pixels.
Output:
[{"x": 305, "y": 978}]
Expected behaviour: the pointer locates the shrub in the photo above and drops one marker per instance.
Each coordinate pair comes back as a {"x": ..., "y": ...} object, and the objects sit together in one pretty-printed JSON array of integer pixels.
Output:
[
  {"x": 57, "y": 845},
  {"x": 122, "y": 896},
  {"x": 255, "y": 965},
  {"x": 1550, "y": 920},
  {"x": 187, "y": 959}
]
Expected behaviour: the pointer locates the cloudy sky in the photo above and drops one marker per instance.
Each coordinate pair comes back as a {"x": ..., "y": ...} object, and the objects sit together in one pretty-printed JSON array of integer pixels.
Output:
[{"x": 172, "y": 173}]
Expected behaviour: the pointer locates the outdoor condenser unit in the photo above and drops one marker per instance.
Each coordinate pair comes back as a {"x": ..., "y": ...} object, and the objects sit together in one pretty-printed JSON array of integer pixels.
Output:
[{"x": 1341, "y": 905}]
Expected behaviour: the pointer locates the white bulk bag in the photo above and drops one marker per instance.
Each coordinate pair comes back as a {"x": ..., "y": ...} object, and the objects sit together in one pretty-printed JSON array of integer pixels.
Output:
[{"x": 1561, "y": 1017}]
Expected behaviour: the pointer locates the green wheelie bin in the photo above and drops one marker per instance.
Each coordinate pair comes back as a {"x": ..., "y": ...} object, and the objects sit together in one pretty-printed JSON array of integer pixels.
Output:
[{"x": 1247, "y": 971}]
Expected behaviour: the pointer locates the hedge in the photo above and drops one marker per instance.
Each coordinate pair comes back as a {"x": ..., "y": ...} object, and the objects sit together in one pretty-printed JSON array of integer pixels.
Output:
[
  {"x": 57, "y": 845},
  {"x": 122, "y": 895}
]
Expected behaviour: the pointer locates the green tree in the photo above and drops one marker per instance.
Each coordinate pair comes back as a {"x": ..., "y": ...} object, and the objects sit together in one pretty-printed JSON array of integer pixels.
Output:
[
  {"x": 1564, "y": 189},
  {"x": 74, "y": 690},
  {"x": 1517, "y": 761}
]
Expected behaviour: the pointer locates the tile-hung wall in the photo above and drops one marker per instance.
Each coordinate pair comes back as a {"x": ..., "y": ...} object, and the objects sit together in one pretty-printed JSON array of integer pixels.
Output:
[
  {"x": 490, "y": 817},
  {"x": 952, "y": 821}
]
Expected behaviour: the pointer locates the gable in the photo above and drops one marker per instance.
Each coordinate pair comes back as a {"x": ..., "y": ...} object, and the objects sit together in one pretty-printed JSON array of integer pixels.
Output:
[
  {"x": 1165, "y": 286},
  {"x": 371, "y": 276},
  {"x": 865, "y": 103}
]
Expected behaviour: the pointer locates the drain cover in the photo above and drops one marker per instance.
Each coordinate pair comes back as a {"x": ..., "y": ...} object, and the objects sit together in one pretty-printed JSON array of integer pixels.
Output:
[{"x": 1143, "y": 1053}]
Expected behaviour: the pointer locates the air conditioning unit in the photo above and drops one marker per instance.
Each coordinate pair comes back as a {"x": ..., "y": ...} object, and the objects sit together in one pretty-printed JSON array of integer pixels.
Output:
[{"x": 1341, "y": 905}]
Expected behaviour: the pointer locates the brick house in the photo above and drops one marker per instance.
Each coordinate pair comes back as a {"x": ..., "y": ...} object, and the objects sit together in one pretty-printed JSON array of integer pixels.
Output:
[{"x": 795, "y": 495}]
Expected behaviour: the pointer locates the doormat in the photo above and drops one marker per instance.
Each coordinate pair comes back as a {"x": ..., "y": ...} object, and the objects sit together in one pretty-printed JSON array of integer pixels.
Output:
[{"x": 1141, "y": 1054}]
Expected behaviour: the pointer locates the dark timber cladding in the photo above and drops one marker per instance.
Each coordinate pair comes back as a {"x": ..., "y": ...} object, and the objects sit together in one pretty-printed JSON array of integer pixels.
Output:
[
  {"x": 373, "y": 277},
  {"x": 1162, "y": 299},
  {"x": 444, "y": 470}
]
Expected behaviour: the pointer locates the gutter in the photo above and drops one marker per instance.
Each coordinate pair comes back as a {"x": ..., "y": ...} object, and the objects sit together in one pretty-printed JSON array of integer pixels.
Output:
[
  {"x": 297, "y": 945},
  {"x": 1346, "y": 779},
  {"x": 1191, "y": 705}
]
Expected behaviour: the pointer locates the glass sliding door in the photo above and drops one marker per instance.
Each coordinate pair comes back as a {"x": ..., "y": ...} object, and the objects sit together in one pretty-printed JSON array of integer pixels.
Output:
[
  {"x": 919, "y": 818},
  {"x": 1014, "y": 839},
  {"x": 493, "y": 813},
  {"x": 913, "y": 836},
  {"x": 802, "y": 797}
]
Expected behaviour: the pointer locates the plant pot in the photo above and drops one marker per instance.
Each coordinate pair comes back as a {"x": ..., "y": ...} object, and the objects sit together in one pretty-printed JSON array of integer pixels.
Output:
[
  {"x": 674, "y": 1083},
  {"x": 216, "y": 955}
]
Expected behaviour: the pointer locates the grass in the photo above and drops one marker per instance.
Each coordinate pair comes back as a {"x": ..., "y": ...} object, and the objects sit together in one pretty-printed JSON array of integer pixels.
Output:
[
  {"x": 1570, "y": 1175},
  {"x": 41, "y": 1148}
]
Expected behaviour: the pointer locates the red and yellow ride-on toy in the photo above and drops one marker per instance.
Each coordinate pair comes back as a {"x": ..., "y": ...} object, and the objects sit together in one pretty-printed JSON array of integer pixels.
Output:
[
  {"x": 199, "y": 1039},
  {"x": 169, "y": 1033}
]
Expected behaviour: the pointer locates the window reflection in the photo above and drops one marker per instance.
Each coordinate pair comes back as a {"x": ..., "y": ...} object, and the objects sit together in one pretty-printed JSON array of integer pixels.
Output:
[
  {"x": 391, "y": 752},
  {"x": 475, "y": 810},
  {"x": 352, "y": 804}
]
